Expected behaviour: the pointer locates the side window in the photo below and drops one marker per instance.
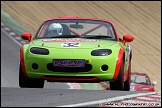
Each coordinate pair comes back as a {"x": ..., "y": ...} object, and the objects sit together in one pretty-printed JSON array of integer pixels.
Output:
[
  {"x": 111, "y": 32},
  {"x": 42, "y": 31}
]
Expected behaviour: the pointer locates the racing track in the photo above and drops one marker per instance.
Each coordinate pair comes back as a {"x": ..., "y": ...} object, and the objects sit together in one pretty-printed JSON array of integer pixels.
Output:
[
  {"x": 54, "y": 94},
  {"x": 10, "y": 62}
]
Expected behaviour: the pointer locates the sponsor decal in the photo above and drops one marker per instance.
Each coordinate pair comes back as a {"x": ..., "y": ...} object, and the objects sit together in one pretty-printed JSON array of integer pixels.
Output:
[
  {"x": 70, "y": 44},
  {"x": 70, "y": 40}
]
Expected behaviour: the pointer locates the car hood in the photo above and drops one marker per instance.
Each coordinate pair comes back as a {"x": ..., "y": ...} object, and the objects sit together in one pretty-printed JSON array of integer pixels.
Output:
[{"x": 72, "y": 43}]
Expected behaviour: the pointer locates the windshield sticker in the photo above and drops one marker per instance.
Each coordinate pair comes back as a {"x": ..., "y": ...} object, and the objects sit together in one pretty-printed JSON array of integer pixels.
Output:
[
  {"x": 70, "y": 40},
  {"x": 70, "y": 44}
]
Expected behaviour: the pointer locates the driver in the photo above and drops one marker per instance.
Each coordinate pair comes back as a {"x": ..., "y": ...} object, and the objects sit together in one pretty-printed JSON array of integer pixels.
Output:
[{"x": 55, "y": 29}]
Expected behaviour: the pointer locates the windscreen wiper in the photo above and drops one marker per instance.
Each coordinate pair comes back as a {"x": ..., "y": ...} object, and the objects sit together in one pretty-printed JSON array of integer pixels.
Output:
[
  {"x": 98, "y": 37},
  {"x": 63, "y": 36}
]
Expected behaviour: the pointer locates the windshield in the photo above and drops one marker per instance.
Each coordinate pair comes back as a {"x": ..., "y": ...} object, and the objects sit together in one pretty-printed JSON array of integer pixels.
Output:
[
  {"x": 76, "y": 29},
  {"x": 140, "y": 79}
]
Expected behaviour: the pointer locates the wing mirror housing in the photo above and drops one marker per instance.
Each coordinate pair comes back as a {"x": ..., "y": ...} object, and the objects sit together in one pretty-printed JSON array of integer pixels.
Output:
[
  {"x": 127, "y": 38},
  {"x": 26, "y": 36},
  {"x": 154, "y": 83}
]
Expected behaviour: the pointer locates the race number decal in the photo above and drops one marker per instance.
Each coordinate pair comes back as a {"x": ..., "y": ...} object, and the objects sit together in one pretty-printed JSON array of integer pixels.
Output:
[{"x": 70, "y": 44}]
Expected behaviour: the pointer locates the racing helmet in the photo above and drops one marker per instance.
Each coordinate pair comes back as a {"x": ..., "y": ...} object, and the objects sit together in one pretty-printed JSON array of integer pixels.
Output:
[{"x": 56, "y": 28}]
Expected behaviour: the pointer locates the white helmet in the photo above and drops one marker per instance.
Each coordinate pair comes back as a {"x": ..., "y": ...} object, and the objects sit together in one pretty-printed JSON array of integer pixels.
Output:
[{"x": 56, "y": 27}]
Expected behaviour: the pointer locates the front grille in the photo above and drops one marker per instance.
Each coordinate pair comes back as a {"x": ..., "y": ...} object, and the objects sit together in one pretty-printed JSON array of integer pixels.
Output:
[{"x": 86, "y": 68}]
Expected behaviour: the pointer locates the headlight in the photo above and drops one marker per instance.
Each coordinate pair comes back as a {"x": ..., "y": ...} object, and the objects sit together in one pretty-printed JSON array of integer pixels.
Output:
[
  {"x": 41, "y": 51},
  {"x": 101, "y": 52}
]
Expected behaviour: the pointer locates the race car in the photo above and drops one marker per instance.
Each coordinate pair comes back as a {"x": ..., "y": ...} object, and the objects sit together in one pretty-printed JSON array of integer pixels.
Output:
[
  {"x": 74, "y": 49},
  {"x": 141, "y": 82}
]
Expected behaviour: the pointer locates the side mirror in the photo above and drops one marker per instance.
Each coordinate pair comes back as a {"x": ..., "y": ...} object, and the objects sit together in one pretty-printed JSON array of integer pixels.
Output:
[
  {"x": 26, "y": 36},
  {"x": 127, "y": 38},
  {"x": 154, "y": 83}
]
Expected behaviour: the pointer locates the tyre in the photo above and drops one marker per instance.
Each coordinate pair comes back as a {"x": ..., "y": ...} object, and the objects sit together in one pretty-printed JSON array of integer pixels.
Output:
[
  {"x": 118, "y": 84},
  {"x": 127, "y": 82},
  {"x": 28, "y": 83}
]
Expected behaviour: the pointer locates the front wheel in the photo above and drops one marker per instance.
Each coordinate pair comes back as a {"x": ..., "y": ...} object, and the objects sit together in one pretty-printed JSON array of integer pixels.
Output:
[
  {"x": 27, "y": 83},
  {"x": 118, "y": 84}
]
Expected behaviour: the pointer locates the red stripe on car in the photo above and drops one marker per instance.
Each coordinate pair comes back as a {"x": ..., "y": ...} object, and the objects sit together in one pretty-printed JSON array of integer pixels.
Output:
[
  {"x": 118, "y": 63},
  {"x": 22, "y": 61}
]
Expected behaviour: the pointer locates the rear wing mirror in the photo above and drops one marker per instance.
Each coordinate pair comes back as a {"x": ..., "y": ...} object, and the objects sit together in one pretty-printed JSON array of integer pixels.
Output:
[{"x": 76, "y": 26}]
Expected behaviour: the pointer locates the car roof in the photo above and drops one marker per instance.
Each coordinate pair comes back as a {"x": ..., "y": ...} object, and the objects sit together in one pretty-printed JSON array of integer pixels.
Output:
[
  {"x": 76, "y": 17},
  {"x": 138, "y": 73}
]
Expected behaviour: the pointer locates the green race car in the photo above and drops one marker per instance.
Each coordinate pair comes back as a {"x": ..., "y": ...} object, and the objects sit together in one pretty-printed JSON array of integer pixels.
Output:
[{"x": 73, "y": 49}]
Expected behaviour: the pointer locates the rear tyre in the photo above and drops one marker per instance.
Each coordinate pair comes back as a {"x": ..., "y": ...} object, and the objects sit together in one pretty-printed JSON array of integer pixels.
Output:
[
  {"x": 27, "y": 83},
  {"x": 118, "y": 84}
]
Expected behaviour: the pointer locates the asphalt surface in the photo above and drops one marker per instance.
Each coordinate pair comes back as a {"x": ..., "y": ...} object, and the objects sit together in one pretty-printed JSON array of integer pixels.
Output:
[
  {"x": 9, "y": 62},
  {"x": 10, "y": 65},
  {"x": 53, "y": 94},
  {"x": 52, "y": 97}
]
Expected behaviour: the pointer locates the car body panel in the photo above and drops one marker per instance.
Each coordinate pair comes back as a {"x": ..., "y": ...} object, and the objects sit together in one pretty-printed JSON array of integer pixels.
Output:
[
  {"x": 142, "y": 87},
  {"x": 83, "y": 43},
  {"x": 60, "y": 54}
]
